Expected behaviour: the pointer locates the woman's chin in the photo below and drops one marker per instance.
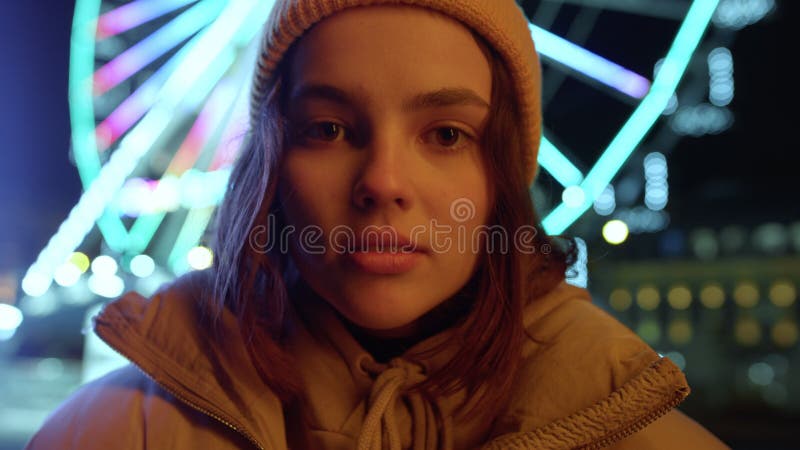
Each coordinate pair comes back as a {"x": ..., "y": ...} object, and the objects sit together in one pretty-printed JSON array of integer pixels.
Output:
[{"x": 381, "y": 321}]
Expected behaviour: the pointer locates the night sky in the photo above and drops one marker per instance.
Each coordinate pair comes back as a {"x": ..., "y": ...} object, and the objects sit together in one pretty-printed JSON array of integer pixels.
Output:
[{"x": 38, "y": 184}]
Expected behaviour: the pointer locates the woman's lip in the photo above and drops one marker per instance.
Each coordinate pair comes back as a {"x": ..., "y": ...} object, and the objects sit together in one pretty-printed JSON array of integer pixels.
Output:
[
  {"x": 386, "y": 262},
  {"x": 377, "y": 237}
]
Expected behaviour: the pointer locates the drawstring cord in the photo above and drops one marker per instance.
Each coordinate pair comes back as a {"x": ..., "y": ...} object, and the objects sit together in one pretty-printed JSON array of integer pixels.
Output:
[{"x": 380, "y": 424}]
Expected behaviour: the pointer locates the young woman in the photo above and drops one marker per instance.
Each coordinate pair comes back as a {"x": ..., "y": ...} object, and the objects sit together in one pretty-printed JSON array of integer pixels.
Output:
[{"x": 381, "y": 280}]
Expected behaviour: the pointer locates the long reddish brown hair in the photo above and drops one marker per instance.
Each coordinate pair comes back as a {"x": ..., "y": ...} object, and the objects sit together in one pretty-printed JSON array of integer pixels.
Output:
[{"x": 252, "y": 283}]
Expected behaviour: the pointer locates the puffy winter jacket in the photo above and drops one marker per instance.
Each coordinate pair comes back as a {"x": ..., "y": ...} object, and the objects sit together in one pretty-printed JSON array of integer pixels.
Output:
[{"x": 586, "y": 381}]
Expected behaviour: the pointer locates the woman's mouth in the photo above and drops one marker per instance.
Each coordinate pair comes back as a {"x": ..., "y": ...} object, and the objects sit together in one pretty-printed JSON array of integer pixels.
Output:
[
  {"x": 387, "y": 261},
  {"x": 388, "y": 253}
]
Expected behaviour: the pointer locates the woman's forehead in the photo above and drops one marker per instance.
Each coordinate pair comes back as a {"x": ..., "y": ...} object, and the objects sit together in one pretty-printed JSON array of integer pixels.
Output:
[{"x": 387, "y": 49}]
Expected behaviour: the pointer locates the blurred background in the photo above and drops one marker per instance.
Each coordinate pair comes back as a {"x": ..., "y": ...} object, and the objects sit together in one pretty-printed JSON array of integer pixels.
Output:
[{"x": 667, "y": 153}]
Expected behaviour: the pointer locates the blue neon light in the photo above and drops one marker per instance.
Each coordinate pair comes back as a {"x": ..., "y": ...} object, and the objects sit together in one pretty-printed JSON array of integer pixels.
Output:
[
  {"x": 559, "y": 167},
  {"x": 560, "y": 50},
  {"x": 642, "y": 119}
]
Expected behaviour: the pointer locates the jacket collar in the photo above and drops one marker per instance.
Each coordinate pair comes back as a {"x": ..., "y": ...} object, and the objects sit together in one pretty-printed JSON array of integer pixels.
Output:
[{"x": 167, "y": 338}]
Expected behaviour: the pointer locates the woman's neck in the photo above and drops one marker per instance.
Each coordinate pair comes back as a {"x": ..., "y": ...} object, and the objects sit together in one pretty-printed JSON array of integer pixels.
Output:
[
  {"x": 381, "y": 348},
  {"x": 384, "y": 345}
]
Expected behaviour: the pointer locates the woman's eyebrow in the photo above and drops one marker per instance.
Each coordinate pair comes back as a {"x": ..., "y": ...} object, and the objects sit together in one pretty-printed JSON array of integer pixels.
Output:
[
  {"x": 445, "y": 97},
  {"x": 323, "y": 92},
  {"x": 435, "y": 99}
]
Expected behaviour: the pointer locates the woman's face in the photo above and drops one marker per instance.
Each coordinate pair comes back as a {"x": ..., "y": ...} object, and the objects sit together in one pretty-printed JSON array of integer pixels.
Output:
[{"x": 387, "y": 105}]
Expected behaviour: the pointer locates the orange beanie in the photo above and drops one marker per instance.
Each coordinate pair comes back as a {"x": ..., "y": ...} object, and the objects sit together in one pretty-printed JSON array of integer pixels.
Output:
[{"x": 500, "y": 22}]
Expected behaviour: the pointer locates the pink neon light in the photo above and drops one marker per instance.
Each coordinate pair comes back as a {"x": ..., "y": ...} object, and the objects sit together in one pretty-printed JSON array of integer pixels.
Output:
[
  {"x": 119, "y": 69},
  {"x": 133, "y": 14},
  {"x": 211, "y": 114},
  {"x": 150, "y": 48},
  {"x": 189, "y": 150},
  {"x": 124, "y": 117}
]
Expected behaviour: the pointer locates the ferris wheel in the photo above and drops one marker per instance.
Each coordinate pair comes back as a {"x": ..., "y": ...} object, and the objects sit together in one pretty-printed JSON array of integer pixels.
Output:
[
  {"x": 660, "y": 71},
  {"x": 158, "y": 102}
]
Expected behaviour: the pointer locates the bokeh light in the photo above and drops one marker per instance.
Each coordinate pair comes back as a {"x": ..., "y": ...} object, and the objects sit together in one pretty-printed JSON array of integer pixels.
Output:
[
  {"x": 620, "y": 299},
  {"x": 615, "y": 232},
  {"x": 142, "y": 266},
  {"x": 648, "y": 298},
  {"x": 200, "y": 258},
  {"x": 745, "y": 294},
  {"x": 679, "y": 297},
  {"x": 782, "y": 293},
  {"x": 712, "y": 296},
  {"x": 104, "y": 265}
]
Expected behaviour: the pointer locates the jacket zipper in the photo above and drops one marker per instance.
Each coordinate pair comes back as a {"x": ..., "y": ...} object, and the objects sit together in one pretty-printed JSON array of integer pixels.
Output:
[
  {"x": 636, "y": 427},
  {"x": 192, "y": 405}
]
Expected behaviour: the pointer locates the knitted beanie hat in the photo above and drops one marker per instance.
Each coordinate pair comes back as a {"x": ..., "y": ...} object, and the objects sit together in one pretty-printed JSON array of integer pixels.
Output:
[{"x": 500, "y": 22}]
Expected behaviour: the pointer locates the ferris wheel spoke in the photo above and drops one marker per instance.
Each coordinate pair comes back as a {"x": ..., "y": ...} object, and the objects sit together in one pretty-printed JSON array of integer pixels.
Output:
[
  {"x": 574, "y": 57},
  {"x": 135, "y": 145},
  {"x": 192, "y": 229},
  {"x": 199, "y": 63},
  {"x": 644, "y": 116},
  {"x": 144, "y": 228},
  {"x": 211, "y": 117},
  {"x": 157, "y": 44},
  {"x": 558, "y": 165},
  {"x": 578, "y": 32},
  {"x": 215, "y": 114},
  {"x": 136, "y": 105},
  {"x": 133, "y": 14}
]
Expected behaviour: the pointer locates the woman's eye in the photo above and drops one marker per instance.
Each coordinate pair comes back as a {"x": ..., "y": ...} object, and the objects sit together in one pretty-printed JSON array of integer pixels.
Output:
[
  {"x": 450, "y": 137},
  {"x": 324, "y": 131}
]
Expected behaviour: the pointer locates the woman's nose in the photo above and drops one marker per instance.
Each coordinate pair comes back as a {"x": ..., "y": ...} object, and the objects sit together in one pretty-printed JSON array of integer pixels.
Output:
[{"x": 384, "y": 176}]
